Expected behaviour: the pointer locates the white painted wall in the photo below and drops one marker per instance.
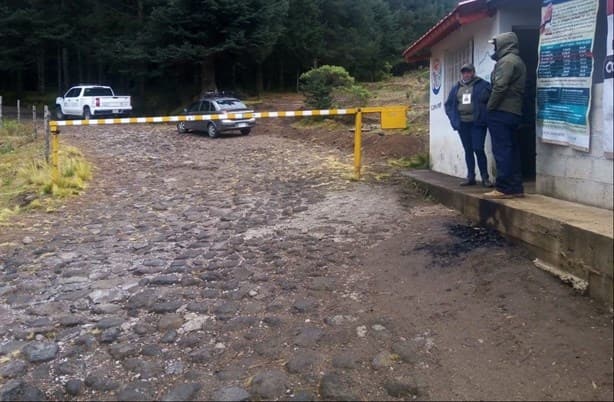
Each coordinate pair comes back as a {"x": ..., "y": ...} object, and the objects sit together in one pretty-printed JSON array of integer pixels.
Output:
[
  {"x": 562, "y": 172},
  {"x": 445, "y": 149},
  {"x": 520, "y": 14}
]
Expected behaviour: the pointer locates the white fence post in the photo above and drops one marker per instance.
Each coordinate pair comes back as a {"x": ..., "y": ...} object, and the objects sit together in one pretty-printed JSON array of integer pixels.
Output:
[
  {"x": 18, "y": 111},
  {"x": 0, "y": 109},
  {"x": 47, "y": 133},
  {"x": 35, "y": 132}
]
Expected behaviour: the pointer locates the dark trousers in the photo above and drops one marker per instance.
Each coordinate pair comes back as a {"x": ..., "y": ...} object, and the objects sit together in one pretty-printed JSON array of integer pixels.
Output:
[
  {"x": 506, "y": 150},
  {"x": 473, "y": 137}
]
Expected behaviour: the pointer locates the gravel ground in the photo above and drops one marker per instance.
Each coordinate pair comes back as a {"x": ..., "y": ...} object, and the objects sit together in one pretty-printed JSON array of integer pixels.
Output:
[{"x": 249, "y": 267}]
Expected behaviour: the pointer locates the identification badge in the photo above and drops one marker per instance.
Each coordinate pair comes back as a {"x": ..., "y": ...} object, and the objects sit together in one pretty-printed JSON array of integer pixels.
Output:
[{"x": 466, "y": 99}]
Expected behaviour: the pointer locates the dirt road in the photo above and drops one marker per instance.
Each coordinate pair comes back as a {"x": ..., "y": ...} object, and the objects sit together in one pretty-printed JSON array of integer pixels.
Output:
[{"x": 251, "y": 268}]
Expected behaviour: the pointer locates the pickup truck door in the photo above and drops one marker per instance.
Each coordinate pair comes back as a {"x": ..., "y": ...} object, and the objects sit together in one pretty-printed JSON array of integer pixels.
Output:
[{"x": 71, "y": 101}]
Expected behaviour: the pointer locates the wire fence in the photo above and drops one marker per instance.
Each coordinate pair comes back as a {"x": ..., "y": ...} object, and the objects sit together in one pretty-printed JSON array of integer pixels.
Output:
[
  {"x": 20, "y": 112},
  {"x": 31, "y": 115}
]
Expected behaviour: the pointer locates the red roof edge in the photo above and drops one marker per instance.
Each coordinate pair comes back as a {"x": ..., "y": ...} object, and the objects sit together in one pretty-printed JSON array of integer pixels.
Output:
[{"x": 466, "y": 12}]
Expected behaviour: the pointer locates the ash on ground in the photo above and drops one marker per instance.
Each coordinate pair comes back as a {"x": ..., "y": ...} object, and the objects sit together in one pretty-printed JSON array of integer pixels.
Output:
[{"x": 462, "y": 240}]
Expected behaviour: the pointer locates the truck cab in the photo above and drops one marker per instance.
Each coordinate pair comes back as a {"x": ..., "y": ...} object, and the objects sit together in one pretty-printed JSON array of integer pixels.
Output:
[{"x": 87, "y": 101}]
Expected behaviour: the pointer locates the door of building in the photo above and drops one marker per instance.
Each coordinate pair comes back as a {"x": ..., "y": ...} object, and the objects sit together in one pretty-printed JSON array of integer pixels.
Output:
[{"x": 528, "y": 38}]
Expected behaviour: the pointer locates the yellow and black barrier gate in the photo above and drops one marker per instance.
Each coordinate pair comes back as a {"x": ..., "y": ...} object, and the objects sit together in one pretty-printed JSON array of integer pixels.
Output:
[{"x": 392, "y": 117}]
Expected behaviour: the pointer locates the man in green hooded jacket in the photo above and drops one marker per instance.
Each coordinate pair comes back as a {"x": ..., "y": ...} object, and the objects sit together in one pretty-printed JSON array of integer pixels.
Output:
[{"x": 504, "y": 115}]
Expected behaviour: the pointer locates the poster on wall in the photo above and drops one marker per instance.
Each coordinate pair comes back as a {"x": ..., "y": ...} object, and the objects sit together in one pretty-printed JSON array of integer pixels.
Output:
[
  {"x": 565, "y": 71},
  {"x": 608, "y": 87},
  {"x": 436, "y": 76}
]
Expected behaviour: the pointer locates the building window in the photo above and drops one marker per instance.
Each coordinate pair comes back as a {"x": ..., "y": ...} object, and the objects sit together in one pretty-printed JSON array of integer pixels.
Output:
[{"x": 453, "y": 61}]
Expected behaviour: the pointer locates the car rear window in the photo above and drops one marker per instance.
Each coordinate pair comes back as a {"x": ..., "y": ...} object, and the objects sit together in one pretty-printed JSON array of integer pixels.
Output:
[
  {"x": 98, "y": 91},
  {"x": 231, "y": 104}
]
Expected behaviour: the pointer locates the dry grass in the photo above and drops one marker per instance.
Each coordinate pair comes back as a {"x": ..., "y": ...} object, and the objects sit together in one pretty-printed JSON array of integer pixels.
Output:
[
  {"x": 412, "y": 89},
  {"x": 26, "y": 182},
  {"x": 420, "y": 161}
]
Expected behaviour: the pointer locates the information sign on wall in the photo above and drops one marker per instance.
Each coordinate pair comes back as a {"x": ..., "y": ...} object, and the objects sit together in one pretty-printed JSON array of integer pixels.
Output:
[
  {"x": 608, "y": 87},
  {"x": 564, "y": 75}
]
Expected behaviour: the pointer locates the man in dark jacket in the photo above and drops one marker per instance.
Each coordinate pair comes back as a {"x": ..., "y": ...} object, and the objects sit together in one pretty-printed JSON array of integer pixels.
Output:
[
  {"x": 504, "y": 115},
  {"x": 466, "y": 109}
]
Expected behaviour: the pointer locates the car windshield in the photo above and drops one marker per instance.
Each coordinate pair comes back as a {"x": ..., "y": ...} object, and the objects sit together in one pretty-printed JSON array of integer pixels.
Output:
[{"x": 230, "y": 104}]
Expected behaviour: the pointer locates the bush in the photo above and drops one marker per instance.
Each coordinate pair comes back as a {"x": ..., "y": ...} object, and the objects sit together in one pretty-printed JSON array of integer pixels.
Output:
[
  {"x": 318, "y": 84},
  {"x": 353, "y": 96}
]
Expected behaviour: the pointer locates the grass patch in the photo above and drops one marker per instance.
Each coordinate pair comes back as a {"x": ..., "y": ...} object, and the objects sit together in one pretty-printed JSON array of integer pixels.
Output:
[
  {"x": 420, "y": 161},
  {"x": 26, "y": 181}
]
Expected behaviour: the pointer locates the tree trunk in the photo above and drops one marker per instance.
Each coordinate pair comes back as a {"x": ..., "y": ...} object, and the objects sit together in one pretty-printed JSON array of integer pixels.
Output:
[
  {"x": 234, "y": 76},
  {"x": 100, "y": 71},
  {"x": 259, "y": 79},
  {"x": 139, "y": 10},
  {"x": 65, "y": 68},
  {"x": 142, "y": 65},
  {"x": 281, "y": 74},
  {"x": 19, "y": 83},
  {"x": 40, "y": 71},
  {"x": 80, "y": 65},
  {"x": 60, "y": 86},
  {"x": 207, "y": 75}
]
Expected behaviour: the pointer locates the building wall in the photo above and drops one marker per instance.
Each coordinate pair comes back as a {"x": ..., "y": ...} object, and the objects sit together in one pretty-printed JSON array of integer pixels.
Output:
[
  {"x": 518, "y": 14},
  {"x": 445, "y": 149},
  {"x": 561, "y": 172},
  {"x": 585, "y": 177}
]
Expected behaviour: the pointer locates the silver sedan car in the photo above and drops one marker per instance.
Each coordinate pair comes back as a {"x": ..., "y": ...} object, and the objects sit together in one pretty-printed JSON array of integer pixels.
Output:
[{"x": 217, "y": 105}]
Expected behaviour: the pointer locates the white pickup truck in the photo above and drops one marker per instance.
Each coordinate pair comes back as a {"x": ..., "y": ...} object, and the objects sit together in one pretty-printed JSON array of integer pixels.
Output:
[{"x": 88, "y": 101}]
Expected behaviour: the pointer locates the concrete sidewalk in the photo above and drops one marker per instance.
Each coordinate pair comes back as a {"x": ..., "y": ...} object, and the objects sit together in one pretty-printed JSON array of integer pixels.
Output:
[{"x": 573, "y": 241}]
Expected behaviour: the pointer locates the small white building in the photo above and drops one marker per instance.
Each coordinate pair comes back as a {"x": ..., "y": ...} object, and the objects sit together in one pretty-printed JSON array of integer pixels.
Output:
[{"x": 566, "y": 134}]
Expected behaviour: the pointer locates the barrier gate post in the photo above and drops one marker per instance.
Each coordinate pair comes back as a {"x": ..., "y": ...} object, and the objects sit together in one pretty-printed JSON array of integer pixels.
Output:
[
  {"x": 392, "y": 117},
  {"x": 55, "y": 150},
  {"x": 357, "y": 144}
]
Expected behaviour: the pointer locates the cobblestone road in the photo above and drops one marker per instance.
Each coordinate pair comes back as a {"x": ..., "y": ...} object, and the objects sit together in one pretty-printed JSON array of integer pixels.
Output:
[{"x": 225, "y": 269}]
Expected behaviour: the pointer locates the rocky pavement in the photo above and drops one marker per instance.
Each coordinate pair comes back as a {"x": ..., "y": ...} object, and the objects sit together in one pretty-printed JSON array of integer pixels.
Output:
[
  {"x": 198, "y": 269},
  {"x": 250, "y": 268}
]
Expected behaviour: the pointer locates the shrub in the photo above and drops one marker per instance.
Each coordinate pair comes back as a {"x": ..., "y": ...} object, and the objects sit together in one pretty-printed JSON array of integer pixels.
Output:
[
  {"x": 318, "y": 84},
  {"x": 352, "y": 96}
]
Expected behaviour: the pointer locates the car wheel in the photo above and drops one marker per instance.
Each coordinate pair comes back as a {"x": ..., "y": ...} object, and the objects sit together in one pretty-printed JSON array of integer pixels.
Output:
[
  {"x": 212, "y": 130},
  {"x": 245, "y": 131},
  {"x": 181, "y": 127},
  {"x": 58, "y": 113},
  {"x": 87, "y": 114}
]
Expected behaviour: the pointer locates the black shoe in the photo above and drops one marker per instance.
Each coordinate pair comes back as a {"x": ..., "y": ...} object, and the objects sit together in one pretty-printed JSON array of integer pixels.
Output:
[
  {"x": 468, "y": 182},
  {"x": 487, "y": 183}
]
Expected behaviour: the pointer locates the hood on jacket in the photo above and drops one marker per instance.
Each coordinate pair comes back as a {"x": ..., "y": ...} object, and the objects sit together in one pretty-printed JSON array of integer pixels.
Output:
[{"x": 505, "y": 43}]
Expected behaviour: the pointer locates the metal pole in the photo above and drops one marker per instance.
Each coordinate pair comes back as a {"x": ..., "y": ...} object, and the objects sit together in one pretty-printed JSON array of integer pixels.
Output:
[
  {"x": 47, "y": 133},
  {"x": 18, "y": 111},
  {"x": 358, "y": 144}
]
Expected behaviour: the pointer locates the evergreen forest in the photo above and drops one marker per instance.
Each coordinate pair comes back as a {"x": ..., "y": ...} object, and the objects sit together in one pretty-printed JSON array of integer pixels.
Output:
[{"x": 165, "y": 52}]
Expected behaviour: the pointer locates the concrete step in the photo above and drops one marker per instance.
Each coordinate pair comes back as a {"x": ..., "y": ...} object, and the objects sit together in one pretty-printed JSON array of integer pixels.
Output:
[{"x": 573, "y": 241}]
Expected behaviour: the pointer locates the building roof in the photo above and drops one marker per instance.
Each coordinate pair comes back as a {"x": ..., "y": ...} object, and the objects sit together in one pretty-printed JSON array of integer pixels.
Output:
[{"x": 466, "y": 12}]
